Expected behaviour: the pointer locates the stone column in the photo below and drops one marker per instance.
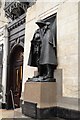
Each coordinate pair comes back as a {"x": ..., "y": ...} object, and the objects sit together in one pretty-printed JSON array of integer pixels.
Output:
[{"x": 5, "y": 52}]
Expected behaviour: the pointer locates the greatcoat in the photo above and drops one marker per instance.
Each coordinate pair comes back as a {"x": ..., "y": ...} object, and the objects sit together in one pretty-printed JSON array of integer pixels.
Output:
[
  {"x": 46, "y": 48},
  {"x": 35, "y": 50},
  {"x": 47, "y": 55}
]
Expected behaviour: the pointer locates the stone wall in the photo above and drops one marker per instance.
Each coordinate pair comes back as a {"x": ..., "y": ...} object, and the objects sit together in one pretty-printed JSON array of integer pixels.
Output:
[
  {"x": 3, "y": 19},
  {"x": 79, "y": 53},
  {"x": 67, "y": 40},
  {"x": 67, "y": 47}
]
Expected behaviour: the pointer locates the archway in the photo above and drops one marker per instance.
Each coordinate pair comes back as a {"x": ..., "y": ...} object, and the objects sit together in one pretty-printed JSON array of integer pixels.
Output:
[{"x": 14, "y": 83}]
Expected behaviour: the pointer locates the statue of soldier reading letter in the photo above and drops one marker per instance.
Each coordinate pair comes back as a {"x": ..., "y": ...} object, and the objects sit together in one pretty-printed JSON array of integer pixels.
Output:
[{"x": 42, "y": 53}]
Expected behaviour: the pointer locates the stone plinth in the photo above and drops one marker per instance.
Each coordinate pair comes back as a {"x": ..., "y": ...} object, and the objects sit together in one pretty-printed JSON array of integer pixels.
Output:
[{"x": 39, "y": 98}]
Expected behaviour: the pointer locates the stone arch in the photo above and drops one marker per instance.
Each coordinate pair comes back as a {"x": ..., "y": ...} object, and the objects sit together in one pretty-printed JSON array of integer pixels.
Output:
[{"x": 14, "y": 82}]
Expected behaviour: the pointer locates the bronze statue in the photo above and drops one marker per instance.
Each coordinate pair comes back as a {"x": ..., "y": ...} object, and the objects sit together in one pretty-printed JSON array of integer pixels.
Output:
[
  {"x": 45, "y": 59},
  {"x": 35, "y": 50}
]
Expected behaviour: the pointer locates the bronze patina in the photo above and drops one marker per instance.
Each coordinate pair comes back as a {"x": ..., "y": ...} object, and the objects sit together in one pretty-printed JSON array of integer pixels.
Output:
[{"x": 42, "y": 53}]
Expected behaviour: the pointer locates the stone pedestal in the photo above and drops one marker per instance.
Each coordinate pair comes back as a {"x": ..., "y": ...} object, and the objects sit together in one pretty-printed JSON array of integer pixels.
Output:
[{"x": 39, "y": 99}]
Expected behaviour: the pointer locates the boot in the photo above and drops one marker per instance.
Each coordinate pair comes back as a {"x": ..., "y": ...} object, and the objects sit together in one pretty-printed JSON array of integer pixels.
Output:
[
  {"x": 39, "y": 72},
  {"x": 49, "y": 72}
]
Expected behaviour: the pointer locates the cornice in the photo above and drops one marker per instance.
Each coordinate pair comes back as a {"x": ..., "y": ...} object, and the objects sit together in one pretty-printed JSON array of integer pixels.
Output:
[
  {"x": 15, "y": 9},
  {"x": 16, "y": 23}
]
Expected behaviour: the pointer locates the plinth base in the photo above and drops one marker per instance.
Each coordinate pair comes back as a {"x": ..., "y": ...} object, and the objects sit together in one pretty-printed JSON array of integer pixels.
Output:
[{"x": 39, "y": 99}]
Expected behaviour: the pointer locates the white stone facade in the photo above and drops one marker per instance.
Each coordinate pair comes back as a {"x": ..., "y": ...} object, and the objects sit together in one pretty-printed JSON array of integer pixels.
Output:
[
  {"x": 67, "y": 44},
  {"x": 68, "y": 18},
  {"x": 3, "y": 19}
]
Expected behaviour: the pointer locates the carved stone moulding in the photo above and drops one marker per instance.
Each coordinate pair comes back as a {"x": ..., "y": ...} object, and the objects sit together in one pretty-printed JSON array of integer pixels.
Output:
[
  {"x": 16, "y": 8},
  {"x": 16, "y": 23},
  {"x": 16, "y": 42}
]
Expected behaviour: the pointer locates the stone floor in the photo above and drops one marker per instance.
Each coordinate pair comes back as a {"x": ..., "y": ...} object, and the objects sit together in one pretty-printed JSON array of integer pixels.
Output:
[
  {"x": 17, "y": 115},
  {"x": 11, "y": 113}
]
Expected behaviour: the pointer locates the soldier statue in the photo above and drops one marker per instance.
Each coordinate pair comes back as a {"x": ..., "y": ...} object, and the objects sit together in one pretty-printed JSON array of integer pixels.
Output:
[{"x": 42, "y": 54}]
